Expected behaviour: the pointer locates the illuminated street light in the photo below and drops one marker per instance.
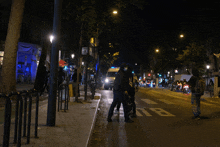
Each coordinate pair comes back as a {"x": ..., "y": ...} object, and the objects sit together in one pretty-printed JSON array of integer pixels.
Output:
[
  {"x": 157, "y": 50},
  {"x": 72, "y": 55},
  {"x": 207, "y": 66},
  {"x": 51, "y": 38},
  {"x": 181, "y": 36},
  {"x": 115, "y": 12}
]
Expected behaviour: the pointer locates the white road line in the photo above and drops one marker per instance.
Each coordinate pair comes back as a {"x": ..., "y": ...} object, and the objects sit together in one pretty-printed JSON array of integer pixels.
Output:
[
  {"x": 148, "y": 101},
  {"x": 145, "y": 112},
  {"x": 161, "y": 112},
  {"x": 165, "y": 101},
  {"x": 138, "y": 113}
]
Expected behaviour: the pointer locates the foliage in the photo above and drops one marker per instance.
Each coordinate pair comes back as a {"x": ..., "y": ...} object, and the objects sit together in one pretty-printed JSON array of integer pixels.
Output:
[
  {"x": 107, "y": 61},
  {"x": 194, "y": 56}
]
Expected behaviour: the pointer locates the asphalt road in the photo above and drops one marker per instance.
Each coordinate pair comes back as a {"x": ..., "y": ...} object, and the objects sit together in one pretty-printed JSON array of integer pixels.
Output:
[{"x": 162, "y": 120}]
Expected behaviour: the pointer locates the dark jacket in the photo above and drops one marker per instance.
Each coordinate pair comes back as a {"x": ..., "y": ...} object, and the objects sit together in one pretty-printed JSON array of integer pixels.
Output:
[{"x": 121, "y": 82}]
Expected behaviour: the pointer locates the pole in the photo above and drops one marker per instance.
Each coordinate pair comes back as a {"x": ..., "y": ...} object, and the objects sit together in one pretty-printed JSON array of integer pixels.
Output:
[{"x": 51, "y": 110}]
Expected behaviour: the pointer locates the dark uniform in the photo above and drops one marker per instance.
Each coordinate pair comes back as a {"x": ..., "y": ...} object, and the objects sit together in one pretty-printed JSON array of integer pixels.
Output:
[{"x": 120, "y": 85}]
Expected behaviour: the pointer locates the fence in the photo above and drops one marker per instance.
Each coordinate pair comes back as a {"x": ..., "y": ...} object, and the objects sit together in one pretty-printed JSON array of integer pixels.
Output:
[{"x": 20, "y": 112}]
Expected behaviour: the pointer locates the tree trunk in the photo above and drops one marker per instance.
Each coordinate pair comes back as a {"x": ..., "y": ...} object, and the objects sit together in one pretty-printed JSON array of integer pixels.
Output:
[{"x": 10, "y": 52}]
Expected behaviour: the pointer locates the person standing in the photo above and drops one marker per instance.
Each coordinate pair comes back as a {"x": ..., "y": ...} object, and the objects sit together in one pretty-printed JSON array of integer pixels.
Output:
[
  {"x": 61, "y": 76},
  {"x": 197, "y": 86},
  {"x": 119, "y": 92},
  {"x": 74, "y": 78}
]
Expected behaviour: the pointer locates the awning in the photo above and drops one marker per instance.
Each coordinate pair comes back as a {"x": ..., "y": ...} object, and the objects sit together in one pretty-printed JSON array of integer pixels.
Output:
[{"x": 62, "y": 63}]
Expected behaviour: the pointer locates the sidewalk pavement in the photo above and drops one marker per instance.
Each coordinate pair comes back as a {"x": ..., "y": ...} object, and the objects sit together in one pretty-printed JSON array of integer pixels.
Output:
[{"x": 73, "y": 127}]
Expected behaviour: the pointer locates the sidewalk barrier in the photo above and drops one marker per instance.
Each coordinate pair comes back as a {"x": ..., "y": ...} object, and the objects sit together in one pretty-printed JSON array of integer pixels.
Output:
[
  {"x": 20, "y": 104},
  {"x": 63, "y": 95}
]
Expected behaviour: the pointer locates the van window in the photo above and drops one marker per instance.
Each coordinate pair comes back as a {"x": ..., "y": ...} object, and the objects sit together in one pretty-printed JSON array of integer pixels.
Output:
[{"x": 111, "y": 74}]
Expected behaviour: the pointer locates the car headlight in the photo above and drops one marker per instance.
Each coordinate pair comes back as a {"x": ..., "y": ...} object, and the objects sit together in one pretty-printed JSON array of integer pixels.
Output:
[{"x": 106, "y": 80}]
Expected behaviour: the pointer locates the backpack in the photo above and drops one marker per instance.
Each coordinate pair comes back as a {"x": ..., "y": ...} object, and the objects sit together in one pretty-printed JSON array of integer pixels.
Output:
[{"x": 200, "y": 86}]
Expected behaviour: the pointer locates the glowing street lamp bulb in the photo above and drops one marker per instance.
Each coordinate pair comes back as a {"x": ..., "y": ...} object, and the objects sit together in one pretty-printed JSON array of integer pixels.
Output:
[
  {"x": 51, "y": 38},
  {"x": 181, "y": 36},
  {"x": 115, "y": 12},
  {"x": 72, "y": 55},
  {"x": 208, "y": 66},
  {"x": 157, "y": 50}
]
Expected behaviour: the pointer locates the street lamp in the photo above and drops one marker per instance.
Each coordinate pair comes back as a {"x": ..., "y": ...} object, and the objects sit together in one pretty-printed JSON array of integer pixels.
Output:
[
  {"x": 51, "y": 38},
  {"x": 181, "y": 36},
  {"x": 207, "y": 67},
  {"x": 115, "y": 12},
  {"x": 72, "y": 55},
  {"x": 157, "y": 50}
]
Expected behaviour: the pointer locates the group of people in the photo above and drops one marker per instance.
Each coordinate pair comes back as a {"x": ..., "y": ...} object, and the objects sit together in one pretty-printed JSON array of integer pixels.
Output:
[{"x": 124, "y": 92}]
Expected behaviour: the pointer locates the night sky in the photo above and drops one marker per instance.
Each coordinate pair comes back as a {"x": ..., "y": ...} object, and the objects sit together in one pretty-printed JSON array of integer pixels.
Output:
[{"x": 160, "y": 21}]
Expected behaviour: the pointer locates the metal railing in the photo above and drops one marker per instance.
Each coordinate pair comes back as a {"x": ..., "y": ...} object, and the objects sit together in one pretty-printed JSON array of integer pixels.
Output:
[{"x": 20, "y": 111}]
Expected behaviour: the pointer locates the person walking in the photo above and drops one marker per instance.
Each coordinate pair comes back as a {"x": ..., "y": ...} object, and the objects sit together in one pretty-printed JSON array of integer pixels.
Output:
[
  {"x": 131, "y": 92},
  {"x": 119, "y": 92},
  {"x": 74, "y": 78},
  {"x": 197, "y": 86}
]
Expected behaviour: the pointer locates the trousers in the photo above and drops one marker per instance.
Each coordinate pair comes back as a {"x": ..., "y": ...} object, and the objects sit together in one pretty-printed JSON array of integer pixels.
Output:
[
  {"x": 196, "y": 106},
  {"x": 118, "y": 98},
  {"x": 133, "y": 105}
]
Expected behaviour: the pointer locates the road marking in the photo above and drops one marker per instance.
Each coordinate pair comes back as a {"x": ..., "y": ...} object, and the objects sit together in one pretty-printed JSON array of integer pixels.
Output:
[
  {"x": 165, "y": 101},
  {"x": 161, "y": 112},
  {"x": 138, "y": 113},
  {"x": 144, "y": 111},
  {"x": 148, "y": 101}
]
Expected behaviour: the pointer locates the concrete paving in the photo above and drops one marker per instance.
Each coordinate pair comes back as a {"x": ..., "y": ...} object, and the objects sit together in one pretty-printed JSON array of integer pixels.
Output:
[{"x": 72, "y": 129}]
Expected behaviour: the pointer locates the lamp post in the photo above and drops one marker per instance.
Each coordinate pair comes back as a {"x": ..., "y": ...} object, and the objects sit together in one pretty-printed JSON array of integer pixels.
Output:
[
  {"x": 207, "y": 67},
  {"x": 51, "y": 109}
]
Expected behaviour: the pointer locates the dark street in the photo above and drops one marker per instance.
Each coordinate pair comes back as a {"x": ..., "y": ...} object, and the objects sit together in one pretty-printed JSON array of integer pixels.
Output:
[{"x": 163, "y": 119}]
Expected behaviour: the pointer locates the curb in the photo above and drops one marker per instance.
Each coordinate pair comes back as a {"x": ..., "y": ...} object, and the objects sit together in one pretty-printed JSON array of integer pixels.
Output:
[{"x": 93, "y": 123}]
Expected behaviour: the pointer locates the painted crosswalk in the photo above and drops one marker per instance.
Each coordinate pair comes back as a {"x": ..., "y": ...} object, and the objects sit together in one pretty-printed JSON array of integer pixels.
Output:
[
  {"x": 149, "y": 112},
  {"x": 148, "y": 101},
  {"x": 165, "y": 101}
]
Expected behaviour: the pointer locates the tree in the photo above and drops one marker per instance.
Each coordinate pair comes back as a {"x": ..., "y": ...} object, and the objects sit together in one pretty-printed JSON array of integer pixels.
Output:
[
  {"x": 194, "y": 56},
  {"x": 10, "y": 52},
  {"x": 107, "y": 60}
]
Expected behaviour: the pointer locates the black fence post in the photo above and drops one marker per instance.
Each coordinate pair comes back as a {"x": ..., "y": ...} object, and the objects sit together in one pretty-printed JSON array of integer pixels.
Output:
[
  {"x": 25, "y": 114},
  {"x": 20, "y": 120},
  {"x": 16, "y": 120},
  {"x": 58, "y": 99},
  {"x": 7, "y": 121},
  {"x": 36, "y": 116},
  {"x": 29, "y": 118}
]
